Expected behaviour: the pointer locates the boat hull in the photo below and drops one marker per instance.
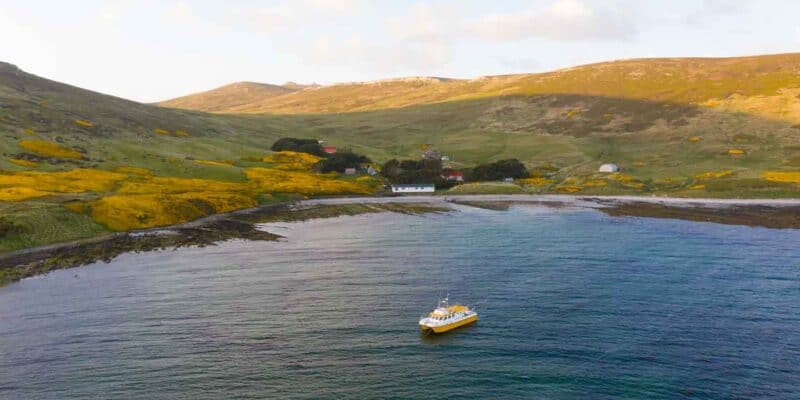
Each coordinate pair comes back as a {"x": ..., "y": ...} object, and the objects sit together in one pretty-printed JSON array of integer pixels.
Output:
[{"x": 449, "y": 327}]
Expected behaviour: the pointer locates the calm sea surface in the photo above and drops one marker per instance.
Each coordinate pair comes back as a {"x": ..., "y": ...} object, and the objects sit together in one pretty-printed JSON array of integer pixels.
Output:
[{"x": 573, "y": 304}]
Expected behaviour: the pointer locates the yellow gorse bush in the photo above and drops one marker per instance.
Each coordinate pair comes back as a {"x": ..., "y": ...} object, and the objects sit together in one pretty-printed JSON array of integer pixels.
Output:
[
  {"x": 24, "y": 163},
  {"x": 138, "y": 211},
  {"x": 596, "y": 183},
  {"x": 695, "y": 138},
  {"x": 161, "y": 185},
  {"x": 781, "y": 176},
  {"x": 292, "y": 160},
  {"x": 307, "y": 183},
  {"x": 20, "y": 193},
  {"x": 161, "y": 131},
  {"x": 83, "y": 123},
  {"x": 627, "y": 180},
  {"x": 535, "y": 181},
  {"x": 736, "y": 152},
  {"x": 712, "y": 175},
  {"x": 569, "y": 189},
  {"x": 221, "y": 163},
  {"x": 133, "y": 170},
  {"x": 49, "y": 149},
  {"x": 74, "y": 181}
]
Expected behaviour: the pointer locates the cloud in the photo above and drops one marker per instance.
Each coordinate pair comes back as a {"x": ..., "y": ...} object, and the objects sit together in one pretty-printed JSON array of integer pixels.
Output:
[
  {"x": 561, "y": 20},
  {"x": 425, "y": 22},
  {"x": 341, "y": 7},
  {"x": 290, "y": 14}
]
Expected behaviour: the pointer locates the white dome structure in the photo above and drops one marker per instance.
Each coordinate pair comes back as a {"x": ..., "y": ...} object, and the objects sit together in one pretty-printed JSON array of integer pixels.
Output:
[{"x": 609, "y": 168}]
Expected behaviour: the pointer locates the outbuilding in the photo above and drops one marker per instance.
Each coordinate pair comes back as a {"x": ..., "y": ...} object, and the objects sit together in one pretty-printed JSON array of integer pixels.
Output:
[
  {"x": 609, "y": 168},
  {"x": 456, "y": 176},
  {"x": 414, "y": 188}
]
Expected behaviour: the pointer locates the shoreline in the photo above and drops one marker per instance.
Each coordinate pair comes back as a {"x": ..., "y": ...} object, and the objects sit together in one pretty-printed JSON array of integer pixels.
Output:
[{"x": 241, "y": 224}]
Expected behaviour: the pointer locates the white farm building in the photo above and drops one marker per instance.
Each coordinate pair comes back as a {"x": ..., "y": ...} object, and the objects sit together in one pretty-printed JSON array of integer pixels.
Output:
[
  {"x": 609, "y": 168},
  {"x": 414, "y": 188}
]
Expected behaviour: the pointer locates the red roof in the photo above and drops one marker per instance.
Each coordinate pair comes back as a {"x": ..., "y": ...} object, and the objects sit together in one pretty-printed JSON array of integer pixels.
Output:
[
  {"x": 453, "y": 173},
  {"x": 329, "y": 149}
]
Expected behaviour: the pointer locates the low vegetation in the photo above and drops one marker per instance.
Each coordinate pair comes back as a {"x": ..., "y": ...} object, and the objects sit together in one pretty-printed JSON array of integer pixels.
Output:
[{"x": 49, "y": 149}]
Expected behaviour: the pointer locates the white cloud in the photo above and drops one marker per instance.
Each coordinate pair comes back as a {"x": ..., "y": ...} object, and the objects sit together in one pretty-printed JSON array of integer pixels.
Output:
[
  {"x": 268, "y": 19},
  {"x": 426, "y": 22},
  {"x": 345, "y": 7},
  {"x": 289, "y": 14},
  {"x": 561, "y": 20}
]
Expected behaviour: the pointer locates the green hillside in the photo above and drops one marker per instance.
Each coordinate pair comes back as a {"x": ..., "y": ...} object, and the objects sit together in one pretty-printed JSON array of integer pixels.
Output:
[
  {"x": 680, "y": 127},
  {"x": 725, "y": 83}
]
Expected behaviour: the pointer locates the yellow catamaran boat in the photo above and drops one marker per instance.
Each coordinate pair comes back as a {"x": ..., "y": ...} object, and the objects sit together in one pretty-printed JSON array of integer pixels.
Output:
[{"x": 446, "y": 317}]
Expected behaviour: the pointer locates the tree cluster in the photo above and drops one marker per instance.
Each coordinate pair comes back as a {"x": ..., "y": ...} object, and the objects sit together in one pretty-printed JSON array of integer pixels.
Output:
[
  {"x": 415, "y": 171},
  {"x": 341, "y": 160},
  {"x": 310, "y": 146},
  {"x": 499, "y": 170}
]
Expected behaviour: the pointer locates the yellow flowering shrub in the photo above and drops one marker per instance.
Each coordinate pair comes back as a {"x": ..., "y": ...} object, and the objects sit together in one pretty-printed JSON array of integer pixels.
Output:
[
  {"x": 161, "y": 131},
  {"x": 181, "y": 133},
  {"x": 569, "y": 189},
  {"x": 221, "y": 163},
  {"x": 124, "y": 169},
  {"x": 138, "y": 211},
  {"x": 83, "y": 123},
  {"x": 24, "y": 163},
  {"x": 536, "y": 181},
  {"x": 736, "y": 152},
  {"x": 74, "y": 181},
  {"x": 160, "y": 184},
  {"x": 712, "y": 175},
  {"x": 697, "y": 187},
  {"x": 49, "y": 149},
  {"x": 780, "y": 176},
  {"x": 292, "y": 160},
  {"x": 307, "y": 183},
  {"x": 20, "y": 193},
  {"x": 627, "y": 180},
  {"x": 695, "y": 138},
  {"x": 596, "y": 183}
]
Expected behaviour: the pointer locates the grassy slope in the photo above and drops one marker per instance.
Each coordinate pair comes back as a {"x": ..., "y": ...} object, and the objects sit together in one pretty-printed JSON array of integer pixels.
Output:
[
  {"x": 640, "y": 124},
  {"x": 721, "y": 82},
  {"x": 233, "y": 95}
]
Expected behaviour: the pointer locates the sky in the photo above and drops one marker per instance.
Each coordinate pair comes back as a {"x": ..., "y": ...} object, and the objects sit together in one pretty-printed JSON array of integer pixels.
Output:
[{"x": 155, "y": 50}]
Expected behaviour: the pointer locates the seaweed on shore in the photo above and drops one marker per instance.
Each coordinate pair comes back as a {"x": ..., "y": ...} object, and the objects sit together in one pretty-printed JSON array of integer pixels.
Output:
[{"x": 782, "y": 217}]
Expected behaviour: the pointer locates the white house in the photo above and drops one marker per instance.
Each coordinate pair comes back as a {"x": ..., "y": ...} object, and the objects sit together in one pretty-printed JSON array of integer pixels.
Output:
[
  {"x": 414, "y": 188},
  {"x": 609, "y": 168}
]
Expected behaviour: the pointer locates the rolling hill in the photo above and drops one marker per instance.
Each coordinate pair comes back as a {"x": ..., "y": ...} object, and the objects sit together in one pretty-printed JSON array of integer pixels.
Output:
[
  {"x": 230, "y": 96},
  {"x": 682, "y": 127},
  {"x": 762, "y": 85}
]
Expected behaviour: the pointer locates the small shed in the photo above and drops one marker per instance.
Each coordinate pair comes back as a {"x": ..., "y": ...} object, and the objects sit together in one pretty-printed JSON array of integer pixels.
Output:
[
  {"x": 414, "y": 188},
  {"x": 609, "y": 168},
  {"x": 349, "y": 171},
  {"x": 456, "y": 176}
]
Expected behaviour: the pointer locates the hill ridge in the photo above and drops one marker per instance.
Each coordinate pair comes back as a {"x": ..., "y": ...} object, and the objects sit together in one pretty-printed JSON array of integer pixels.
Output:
[{"x": 712, "y": 82}]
